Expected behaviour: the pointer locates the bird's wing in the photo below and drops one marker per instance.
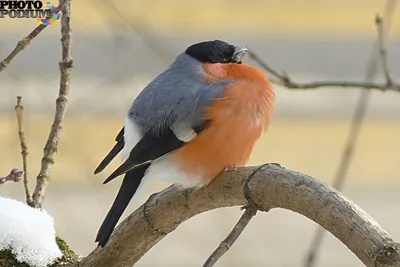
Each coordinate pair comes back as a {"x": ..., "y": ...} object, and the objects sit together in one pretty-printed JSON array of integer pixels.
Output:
[
  {"x": 148, "y": 149},
  {"x": 113, "y": 152},
  {"x": 187, "y": 121}
]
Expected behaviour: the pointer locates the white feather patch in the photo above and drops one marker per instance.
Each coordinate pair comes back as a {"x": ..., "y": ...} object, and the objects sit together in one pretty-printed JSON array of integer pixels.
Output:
[
  {"x": 184, "y": 133},
  {"x": 163, "y": 169},
  {"x": 132, "y": 136}
]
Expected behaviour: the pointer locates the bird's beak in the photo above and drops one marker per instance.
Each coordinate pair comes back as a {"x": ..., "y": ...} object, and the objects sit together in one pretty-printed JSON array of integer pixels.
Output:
[{"x": 239, "y": 53}]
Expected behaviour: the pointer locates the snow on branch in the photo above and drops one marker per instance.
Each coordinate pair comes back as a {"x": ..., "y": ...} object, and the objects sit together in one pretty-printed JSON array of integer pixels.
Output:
[{"x": 28, "y": 233}]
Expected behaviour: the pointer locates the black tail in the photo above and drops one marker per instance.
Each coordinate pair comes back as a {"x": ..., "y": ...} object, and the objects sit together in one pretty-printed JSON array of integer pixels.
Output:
[{"x": 128, "y": 188}]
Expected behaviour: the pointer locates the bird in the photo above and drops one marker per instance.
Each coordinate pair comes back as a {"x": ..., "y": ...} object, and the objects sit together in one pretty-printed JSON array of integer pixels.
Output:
[{"x": 201, "y": 115}]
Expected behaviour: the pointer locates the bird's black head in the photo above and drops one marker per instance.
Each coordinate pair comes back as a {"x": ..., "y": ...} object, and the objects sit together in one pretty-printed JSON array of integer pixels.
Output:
[{"x": 216, "y": 52}]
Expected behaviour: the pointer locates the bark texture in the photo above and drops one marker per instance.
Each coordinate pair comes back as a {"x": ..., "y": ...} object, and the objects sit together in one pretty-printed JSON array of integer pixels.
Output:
[{"x": 270, "y": 186}]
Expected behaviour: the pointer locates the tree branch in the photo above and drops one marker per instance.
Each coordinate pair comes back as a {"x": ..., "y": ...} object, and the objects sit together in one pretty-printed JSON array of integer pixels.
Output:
[
  {"x": 61, "y": 105},
  {"x": 26, "y": 41},
  {"x": 270, "y": 187},
  {"x": 24, "y": 149}
]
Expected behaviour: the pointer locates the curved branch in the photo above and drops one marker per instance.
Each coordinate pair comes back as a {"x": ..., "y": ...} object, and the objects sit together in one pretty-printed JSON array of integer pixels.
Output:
[{"x": 271, "y": 187}]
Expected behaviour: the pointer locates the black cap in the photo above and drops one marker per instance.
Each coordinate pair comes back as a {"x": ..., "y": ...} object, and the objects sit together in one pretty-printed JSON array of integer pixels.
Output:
[{"x": 216, "y": 51}]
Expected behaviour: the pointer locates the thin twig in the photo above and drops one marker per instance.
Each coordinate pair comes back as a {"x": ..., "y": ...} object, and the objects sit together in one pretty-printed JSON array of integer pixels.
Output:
[
  {"x": 264, "y": 65},
  {"x": 24, "y": 148},
  {"x": 382, "y": 50},
  {"x": 26, "y": 41},
  {"x": 345, "y": 84},
  {"x": 250, "y": 211},
  {"x": 358, "y": 117},
  {"x": 15, "y": 175},
  {"x": 231, "y": 238},
  {"x": 61, "y": 106},
  {"x": 285, "y": 81}
]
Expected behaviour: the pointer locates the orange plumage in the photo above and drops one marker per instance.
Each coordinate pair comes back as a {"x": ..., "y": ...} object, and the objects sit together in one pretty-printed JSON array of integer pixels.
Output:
[{"x": 238, "y": 119}]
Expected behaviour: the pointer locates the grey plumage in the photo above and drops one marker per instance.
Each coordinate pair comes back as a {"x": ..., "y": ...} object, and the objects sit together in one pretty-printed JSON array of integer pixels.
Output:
[{"x": 175, "y": 98}]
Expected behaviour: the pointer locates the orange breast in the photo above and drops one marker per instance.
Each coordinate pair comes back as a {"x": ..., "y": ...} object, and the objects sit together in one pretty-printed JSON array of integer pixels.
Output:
[{"x": 237, "y": 121}]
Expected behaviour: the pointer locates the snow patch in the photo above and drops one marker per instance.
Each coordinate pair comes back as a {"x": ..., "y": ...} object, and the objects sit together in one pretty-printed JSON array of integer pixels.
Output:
[{"x": 29, "y": 233}]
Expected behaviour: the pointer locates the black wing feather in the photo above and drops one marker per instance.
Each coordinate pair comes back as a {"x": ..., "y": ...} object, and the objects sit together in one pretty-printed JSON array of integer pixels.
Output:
[
  {"x": 150, "y": 147},
  {"x": 113, "y": 152}
]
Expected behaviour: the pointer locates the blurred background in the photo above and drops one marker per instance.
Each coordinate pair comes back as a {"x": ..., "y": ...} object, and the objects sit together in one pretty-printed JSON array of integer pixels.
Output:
[{"x": 118, "y": 47}]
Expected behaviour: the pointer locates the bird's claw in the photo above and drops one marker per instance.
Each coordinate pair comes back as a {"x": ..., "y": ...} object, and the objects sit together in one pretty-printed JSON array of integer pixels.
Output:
[{"x": 230, "y": 169}]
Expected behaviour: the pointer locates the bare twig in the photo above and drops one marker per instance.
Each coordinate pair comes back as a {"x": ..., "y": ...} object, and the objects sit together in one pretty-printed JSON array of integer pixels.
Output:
[
  {"x": 251, "y": 210},
  {"x": 382, "y": 50},
  {"x": 231, "y": 238},
  {"x": 355, "y": 128},
  {"x": 285, "y": 81},
  {"x": 345, "y": 84},
  {"x": 26, "y": 41},
  {"x": 265, "y": 66},
  {"x": 24, "y": 148},
  {"x": 271, "y": 187},
  {"x": 61, "y": 106},
  {"x": 15, "y": 175}
]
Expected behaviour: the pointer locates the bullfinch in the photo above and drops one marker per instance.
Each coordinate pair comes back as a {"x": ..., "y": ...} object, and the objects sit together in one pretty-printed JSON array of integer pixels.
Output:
[{"x": 201, "y": 115}]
